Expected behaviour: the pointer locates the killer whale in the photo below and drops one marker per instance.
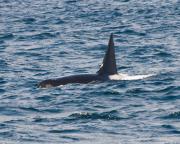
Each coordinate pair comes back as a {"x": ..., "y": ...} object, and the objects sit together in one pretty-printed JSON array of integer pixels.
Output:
[{"x": 107, "y": 68}]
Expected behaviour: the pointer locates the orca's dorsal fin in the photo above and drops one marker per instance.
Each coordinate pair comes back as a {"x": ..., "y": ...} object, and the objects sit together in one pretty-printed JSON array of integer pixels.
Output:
[{"x": 108, "y": 66}]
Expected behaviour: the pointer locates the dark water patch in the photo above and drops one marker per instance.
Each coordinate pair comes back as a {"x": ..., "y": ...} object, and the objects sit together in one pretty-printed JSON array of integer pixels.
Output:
[
  {"x": 1, "y": 42},
  {"x": 165, "y": 77},
  {"x": 64, "y": 131},
  {"x": 123, "y": 67},
  {"x": 43, "y": 73},
  {"x": 69, "y": 102},
  {"x": 168, "y": 89},
  {"x": 71, "y": 1},
  {"x": 31, "y": 83},
  {"x": 111, "y": 115},
  {"x": 170, "y": 129},
  {"x": 36, "y": 49},
  {"x": 70, "y": 138},
  {"x": 14, "y": 121},
  {"x": 153, "y": 52},
  {"x": 63, "y": 53},
  {"x": 168, "y": 126},
  {"x": 174, "y": 90},
  {"x": 3, "y": 126},
  {"x": 30, "y": 138},
  {"x": 3, "y": 63},
  {"x": 40, "y": 120},
  {"x": 51, "y": 21},
  {"x": 132, "y": 32},
  {"x": 124, "y": 1},
  {"x": 159, "y": 83},
  {"x": 44, "y": 98},
  {"x": 29, "y": 20},
  {"x": 58, "y": 21},
  {"x": 21, "y": 38},
  {"x": 137, "y": 91},
  {"x": 167, "y": 93},
  {"x": 2, "y": 91},
  {"x": 2, "y": 81},
  {"x": 80, "y": 71},
  {"x": 142, "y": 50},
  {"x": 10, "y": 97},
  {"x": 120, "y": 84},
  {"x": 45, "y": 35},
  {"x": 57, "y": 7},
  {"x": 42, "y": 58},
  {"x": 37, "y": 120},
  {"x": 174, "y": 132},
  {"x": 100, "y": 106},
  {"x": 25, "y": 38},
  {"x": 41, "y": 110},
  {"x": 107, "y": 92},
  {"x": 147, "y": 11},
  {"x": 7, "y": 36},
  {"x": 51, "y": 121},
  {"x": 28, "y": 54},
  {"x": 174, "y": 115},
  {"x": 7, "y": 134},
  {"x": 165, "y": 54},
  {"x": 31, "y": 109},
  {"x": 166, "y": 98},
  {"x": 52, "y": 110},
  {"x": 33, "y": 69},
  {"x": 111, "y": 92},
  {"x": 10, "y": 111},
  {"x": 116, "y": 13},
  {"x": 96, "y": 49}
]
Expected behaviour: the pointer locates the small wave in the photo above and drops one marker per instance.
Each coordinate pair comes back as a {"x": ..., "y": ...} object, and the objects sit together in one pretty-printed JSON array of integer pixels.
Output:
[
  {"x": 29, "y": 109},
  {"x": 128, "y": 77},
  {"x": 46, "y": 110},
  {"x": 170, "y": 129},
  {"x": 2, "y": 91},
  {"x": 6, "y": 134},
  {"x": 28, "y": 20},
  {"x": 133, "y": 32},
  {"x": 44, "y": 35},
  {"x": 6, "y": 36},
  {"x": 3, "y": 63},
  {"x": 111, "y": 115},
  {"x": 2, "y": 81},
  {"x": 64, "y": 131},
  {"x": 1, "y": 41},
  {"x": 164, "y": 54},
  {"x": 174, "y": 115}
]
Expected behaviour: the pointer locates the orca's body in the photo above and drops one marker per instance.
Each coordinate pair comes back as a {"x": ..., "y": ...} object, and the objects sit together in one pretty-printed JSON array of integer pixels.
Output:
[
  {"x": 84, "y": 78},
  {"x": 108, "y": 68}
]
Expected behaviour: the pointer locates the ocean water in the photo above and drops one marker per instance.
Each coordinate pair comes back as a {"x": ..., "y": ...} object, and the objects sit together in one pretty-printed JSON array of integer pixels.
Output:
[{"x": 53, "y": 38}]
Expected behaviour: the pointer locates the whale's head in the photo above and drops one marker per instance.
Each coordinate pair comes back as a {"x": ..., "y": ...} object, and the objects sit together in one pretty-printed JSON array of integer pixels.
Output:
[{"x": 45, "y": 84}]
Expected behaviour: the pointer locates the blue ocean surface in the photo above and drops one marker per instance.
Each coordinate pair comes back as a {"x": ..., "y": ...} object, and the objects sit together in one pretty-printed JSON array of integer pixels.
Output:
[{"x": 41, "y": 39}]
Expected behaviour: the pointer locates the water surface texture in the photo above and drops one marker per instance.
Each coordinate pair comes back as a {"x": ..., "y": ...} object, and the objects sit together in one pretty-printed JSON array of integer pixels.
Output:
[{"x": 41, "y": 39}]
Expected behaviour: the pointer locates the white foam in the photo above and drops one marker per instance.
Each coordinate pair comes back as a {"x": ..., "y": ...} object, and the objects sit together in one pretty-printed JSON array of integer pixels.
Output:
[{"x": 121, "y": 76}]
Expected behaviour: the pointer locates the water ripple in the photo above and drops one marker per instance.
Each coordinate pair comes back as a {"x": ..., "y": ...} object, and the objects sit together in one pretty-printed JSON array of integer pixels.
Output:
[
  {"x": 50, "y": 39},
  {"x": 111, "y": 115},
  {"x": 174, "y": 115},
  {"x": 7, "y": 36}
]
